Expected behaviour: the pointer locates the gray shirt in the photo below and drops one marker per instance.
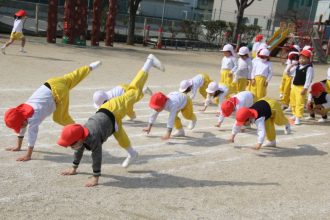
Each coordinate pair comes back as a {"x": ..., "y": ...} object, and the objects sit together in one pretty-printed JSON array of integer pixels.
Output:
[{"x": 100, "y": 127}]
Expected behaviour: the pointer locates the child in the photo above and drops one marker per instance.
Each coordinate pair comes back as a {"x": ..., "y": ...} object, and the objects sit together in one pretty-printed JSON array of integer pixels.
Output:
[
  {"x": 106, "y": 121},
  {"x": 318, "y": 102},
  {"x": 238, "y": 101},
  {"x": 228, "y": 67},
  {"x": 243, "y": 72},
  {"x": 326, "y": 82},
  {"x": 17, "y": 31},
  {"x": 255, "y": 47},
  {"x": 100, "y": 96},
  {"x": 174, "y": 103},
  {"x": 199, "y": 82},
  {"x": 52, "y": 97},
  {"x": 261, "y": 74},
  {"x": 286, "y": 81},
  {"x": 215, "y": 91},
  {"x": 265, "y": 113},
  {"x": 303, "y": 76}
]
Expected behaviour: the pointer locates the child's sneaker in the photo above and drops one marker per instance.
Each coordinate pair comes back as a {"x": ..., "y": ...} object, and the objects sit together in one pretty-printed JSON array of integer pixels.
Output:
[
  {"x": 129, "y": 159},
  {"x": 3, "y": 50},
  {"x": 310, "y": 118},
  {"x": 293, "y": 117},
  {"x": 156, "y": 63},
  {"x": 270, "y": 144},
  {"x": 22, "y": 50},
  {"x": 147, "y": 90},
  {"x": 179, "y": 133},
  {"x": 322, "y": 120},
  {"x": 192, "y": 124},
  {"x": 297, "y": 121},
  {"x": 95, "y": 64},
  {"x": 287, "y": 129}
]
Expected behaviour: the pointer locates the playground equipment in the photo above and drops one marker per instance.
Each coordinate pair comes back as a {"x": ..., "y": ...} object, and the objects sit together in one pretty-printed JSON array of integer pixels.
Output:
[{"x": 278, "y": 40}]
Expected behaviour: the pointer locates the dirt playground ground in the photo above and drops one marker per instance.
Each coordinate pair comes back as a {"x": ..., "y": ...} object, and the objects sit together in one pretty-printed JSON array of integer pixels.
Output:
[{"x": 200, "y": 176}]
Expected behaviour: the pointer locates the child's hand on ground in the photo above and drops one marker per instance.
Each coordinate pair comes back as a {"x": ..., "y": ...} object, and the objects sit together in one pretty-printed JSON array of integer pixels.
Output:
[
  {"x": 71, "y": 171},
  {"x": 165, "y": 137},
  {"x": 258, "y": 146},
  {"x": 24, "y": 158},
  {"x": 92, "y": 181},
  {"x": 147, "y": 130},
  {"x": 218, "y": 125}
]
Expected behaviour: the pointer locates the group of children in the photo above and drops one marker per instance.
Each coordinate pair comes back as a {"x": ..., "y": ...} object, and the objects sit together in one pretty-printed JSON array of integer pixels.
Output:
[{"x": 242, "y": 89}]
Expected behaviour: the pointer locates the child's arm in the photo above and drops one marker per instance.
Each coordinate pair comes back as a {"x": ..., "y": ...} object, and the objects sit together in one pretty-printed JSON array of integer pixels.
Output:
[{"x": 20, "y": 138}]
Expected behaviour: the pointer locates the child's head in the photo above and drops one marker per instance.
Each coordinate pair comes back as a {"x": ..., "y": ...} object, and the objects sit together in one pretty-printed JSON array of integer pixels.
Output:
[
  {"x": 305, "y": 57},
  {"x": 228, "y": 106},
  {"x": 317, "y": 89},
  {"x": 243, "y": 116},
  {"x": 259, "y": 37},
  {"x": 243, "y": 52},
  {"x": 73, "y": 135},
  {"x": 158, "y": 101},
  {"x": 264, "y": 54},
  {"x": 185, "y": 86},
  {"x": 16, "y": 118},
  {"x": 293, "y": 57},
  {"x": 295, "y": 48},
  {"x": 19, "y": 14},
  {"x": 213, "y": 89},
  {"x": 99, "y": 97},
  {"x": 228, "y": 50}
]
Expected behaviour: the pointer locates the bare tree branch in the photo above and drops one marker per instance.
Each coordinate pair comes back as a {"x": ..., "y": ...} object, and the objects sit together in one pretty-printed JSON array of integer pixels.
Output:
[{"x": 248, "y": 4}]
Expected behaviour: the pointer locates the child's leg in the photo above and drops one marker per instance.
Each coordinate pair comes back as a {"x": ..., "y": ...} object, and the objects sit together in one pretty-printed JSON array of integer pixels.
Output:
[
  {"x": 300, "y": 102},
  {"x": 188, "y": 112},
  {"x": 281, "y": 88},
  {"x": 293, "y": 100},
  {"x": 286, "y": 90},
  {"x": 278, "y": 116},
  {"x": 241, "y": 84},
  {"x": 260, "y": 88},
  {"x": 270, "y": 130},
  {"x": 327, "y": 86},
  {"x": 202, "y": 89},
  {"x": 177, "y": 122}
]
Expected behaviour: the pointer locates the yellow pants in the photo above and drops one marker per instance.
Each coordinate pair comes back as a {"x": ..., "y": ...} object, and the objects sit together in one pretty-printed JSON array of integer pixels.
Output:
[
  {"x": 327, "y": 86},
  {"x": 227, "y": 80},
  {"x": 240, "y": 85},
  {"x": 60, "y": 90},
  {"x": 187, "y": 112},
  {"x": 121, "y": 104},
  {"x": 254, "y": 54},
  {"x": 297, "y": 101},
  {"x": 285, "y": 89},
  {"x": 16, "y": 35},
  {"x": 130, "y": 111},
  {"x": 277, "y": 118},
  {"x": 202, "y": 89},
  {"x": 259, "y": 90}
]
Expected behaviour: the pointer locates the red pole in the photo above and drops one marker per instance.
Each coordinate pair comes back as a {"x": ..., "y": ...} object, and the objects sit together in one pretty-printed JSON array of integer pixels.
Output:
[
  {"x": 111, "y": 22},
  {"x": 69, "y": 9},
  {"x": 80, "y": 21},
  {"x": 97, "y": 12},
  {"x": 52, "y": 21}
]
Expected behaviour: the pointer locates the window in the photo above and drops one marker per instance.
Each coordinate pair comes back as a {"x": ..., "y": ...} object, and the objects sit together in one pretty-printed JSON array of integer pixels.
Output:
[
  {"x": 269, "y": 23},
  {"x": 302, "y": 2},
  {"x": 255, "y": 22},
  {"x": 309, "y": 3}
]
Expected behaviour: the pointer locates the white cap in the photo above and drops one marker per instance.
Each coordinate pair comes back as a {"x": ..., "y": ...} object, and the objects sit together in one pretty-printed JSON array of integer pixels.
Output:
[
  {"x": 229, "y": 47},
  {"x": 264, "y": 52},
  {"x": 243, "y": 51},
  {"x": 212, "y": 87},
  {"x": 184, "y": 85},
  {"x": 99, "y": 97},
  {"x": 328, "y": 77},
  {"x": 262, "y": 46},
  {"x": 296, "y": 47},
  {"x": 307, "y": 47}
]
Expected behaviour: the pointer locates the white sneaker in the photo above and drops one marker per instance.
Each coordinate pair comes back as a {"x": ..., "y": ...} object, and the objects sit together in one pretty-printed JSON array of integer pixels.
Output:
[
  {"x": 310, "y": 118},
  {"x": 129, "y": 159},
  {"x": 322, "y": 120},
  {"x": 22, "y": 50},
  {"x": 179, "y": 133},
  {"x": 192, "y": 124},
  {"x": 297, "y": 121},
  {"x": 270, "y": 144},
  {"x": 156, "y": 63},
  {"x": 281, "y": 95},
  {"x": 147, "y": 90},
  {"x": 293, "y": 117},
  {"x": 287, "y": 129},
  {"x": 3, "y": 50},
  {"x": 95, "y": 64}
]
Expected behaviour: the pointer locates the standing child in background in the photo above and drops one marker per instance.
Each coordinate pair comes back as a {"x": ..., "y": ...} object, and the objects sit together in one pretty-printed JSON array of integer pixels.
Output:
[
  {"x": 303, "y": 76},
  {"x": 52, "y": 97},
  {"x": 228, "y": 67},
  {"x": 215, "y": 91},
  {"x": 285, "y": 87},
  {"x": 265, "y": 113},
  {"x": 174, "y": 103},
  {"x": 17, "y": 31},
  {"x": 243, "y": 71},
  {"x": 199, "y": 82},
  {"x": 255, "y": 47},
  {"x": 261, "y": 74}
]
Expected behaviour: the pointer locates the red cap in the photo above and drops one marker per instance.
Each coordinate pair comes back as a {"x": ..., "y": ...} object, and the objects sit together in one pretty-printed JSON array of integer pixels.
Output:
[
  {"x": 14, "y": 117},
  {"x": 306, "y": 53},
  {"x": 316, "y": 88},
  {"x": 157, "y": 101},
  {"x": 243, "y": 114},
  {"x": 20, "y": 13},
  {"x": 259, "y": 37},
  {"x": 228, "y": 106},
  {"x": 71, "y": 134}
]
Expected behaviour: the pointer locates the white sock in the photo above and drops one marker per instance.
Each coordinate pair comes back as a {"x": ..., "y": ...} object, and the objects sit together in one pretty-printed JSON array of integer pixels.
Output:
[
  {"x": 147, "y": 65},
  {"x": 3, "y": 46},
  {"x": 131, "y": 151}
]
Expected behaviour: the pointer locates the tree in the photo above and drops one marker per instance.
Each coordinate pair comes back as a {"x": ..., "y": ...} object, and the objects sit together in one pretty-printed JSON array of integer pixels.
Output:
[
  {"x": 241, "y": 6},
  {"x": 133, "y": 7},
  {"x": 213, "y": 29},
  {"x": 191, "y": 29}
]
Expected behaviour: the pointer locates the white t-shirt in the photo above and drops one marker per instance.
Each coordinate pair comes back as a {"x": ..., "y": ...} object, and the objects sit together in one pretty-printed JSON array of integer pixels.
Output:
[
  {"x": 197, "y": 82},
  {"x": 18, "y": 26}
]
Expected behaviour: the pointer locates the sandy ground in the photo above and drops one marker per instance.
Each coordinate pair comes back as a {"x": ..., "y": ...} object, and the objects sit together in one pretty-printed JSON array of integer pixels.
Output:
[{"x": 200, "y": 176}]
